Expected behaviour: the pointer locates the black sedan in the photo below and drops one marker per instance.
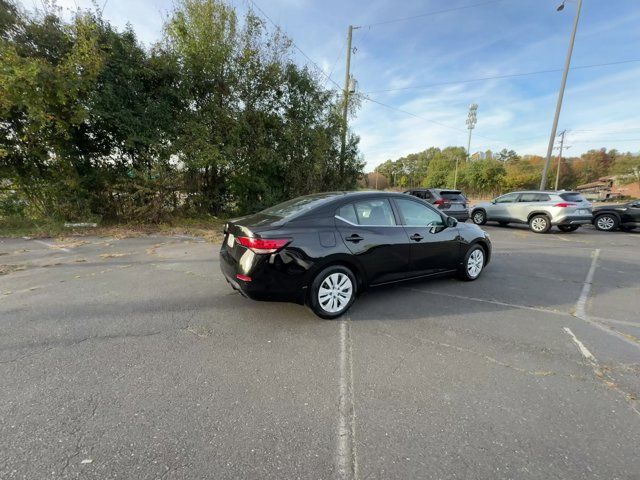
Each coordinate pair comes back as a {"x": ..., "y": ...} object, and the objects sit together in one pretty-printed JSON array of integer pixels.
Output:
[
  {"x": 325, "y": 249},
  {"x": 611, "y": 217}
]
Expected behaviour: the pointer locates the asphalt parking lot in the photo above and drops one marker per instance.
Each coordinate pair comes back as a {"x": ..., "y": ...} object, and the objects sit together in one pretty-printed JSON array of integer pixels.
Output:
[{"x": 132, "y": 358}]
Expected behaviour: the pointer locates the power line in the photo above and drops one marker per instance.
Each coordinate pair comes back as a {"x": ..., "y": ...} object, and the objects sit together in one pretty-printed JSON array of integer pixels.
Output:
[
  {"x": 328, "y": 77},
  {"x": 497, "y": 77},
  {"x": 610, "y": 140},
  {"x": 429, "y": 14},
  {"x": 335, "y": 63},
  {"x": 428, "y": 120}
]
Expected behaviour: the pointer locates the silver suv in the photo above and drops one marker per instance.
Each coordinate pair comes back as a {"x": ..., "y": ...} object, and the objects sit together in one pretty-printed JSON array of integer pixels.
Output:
[{"x": 541, "y": 210}]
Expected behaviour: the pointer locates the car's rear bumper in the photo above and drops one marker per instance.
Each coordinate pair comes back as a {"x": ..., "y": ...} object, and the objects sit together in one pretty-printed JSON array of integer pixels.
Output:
[
  {"x": 267, "y": 281},
  {"x": 573, "y": 220},
  {"x": 461, "y": 216}
]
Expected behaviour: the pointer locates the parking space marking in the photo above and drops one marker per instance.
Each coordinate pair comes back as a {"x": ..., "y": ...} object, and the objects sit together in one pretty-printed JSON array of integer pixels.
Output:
[
  {"x": 493, "y": 302},
  {"x": 50, "y": 245},
  {"x": 581, "y": 305},
  {"x": 583, "y": 350},
  {"x": 601, "y": 373},
  {"x": 347, "y": 459}
]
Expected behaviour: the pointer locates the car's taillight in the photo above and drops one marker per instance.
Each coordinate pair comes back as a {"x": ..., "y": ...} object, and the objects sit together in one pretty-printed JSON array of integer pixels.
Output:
[
  {"x": 244, "y": 278},
  {"x": 263, "y": 245},
  {"x": 565, "y": 204},
  {"x": 440, "y": 201}
]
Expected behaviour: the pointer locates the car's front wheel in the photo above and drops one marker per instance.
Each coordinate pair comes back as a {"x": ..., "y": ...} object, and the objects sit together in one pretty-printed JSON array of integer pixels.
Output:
[
  {"x": 473, "y": 264},
  {"x": 479, "y": 217},
  {"x": 568, "y": 228},
  {"x": 539, "y": 224},
  {"x": 606, "y": 222},
  {"x": 333, "y": 291}
]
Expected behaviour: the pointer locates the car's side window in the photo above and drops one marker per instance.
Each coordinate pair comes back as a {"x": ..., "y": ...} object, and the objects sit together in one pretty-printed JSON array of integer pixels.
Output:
[
  {"x": 508, "y": 198},
  {"x": 375, "y": 212},
  {"x": 418, "y": 215},
  {"x": 348, "y": 213},
  {"x": 528, "y": 197}
]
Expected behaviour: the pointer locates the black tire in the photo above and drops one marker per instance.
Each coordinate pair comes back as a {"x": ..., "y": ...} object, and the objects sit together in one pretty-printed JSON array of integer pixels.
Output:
[
  {"x": 503, "y": 224},
  {"x": 465, "y": 272},
  {"x": 606, "y": 222},
  {"x": 568, "y": 228},
  {"x": 314, "y": 300},
  {"x": 539, "y": 224},
  {"x": 479, "y": 217}
]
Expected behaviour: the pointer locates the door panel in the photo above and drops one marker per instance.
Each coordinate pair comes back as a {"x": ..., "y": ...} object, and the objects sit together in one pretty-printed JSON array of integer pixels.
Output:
[
  {"x": 501, "y": 209},
  {"x": 634, "y": 212},
  {"x": 434, "y": 247},
  {"x": 368, "y": 229}
]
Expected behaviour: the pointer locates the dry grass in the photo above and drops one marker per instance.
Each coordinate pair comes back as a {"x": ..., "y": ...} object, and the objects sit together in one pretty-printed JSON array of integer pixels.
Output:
[{"x": 210, "y": 229}]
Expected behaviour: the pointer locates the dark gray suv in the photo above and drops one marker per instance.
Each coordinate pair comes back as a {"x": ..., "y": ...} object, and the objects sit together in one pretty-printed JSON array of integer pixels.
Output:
[{"x": 452, "y": 202}]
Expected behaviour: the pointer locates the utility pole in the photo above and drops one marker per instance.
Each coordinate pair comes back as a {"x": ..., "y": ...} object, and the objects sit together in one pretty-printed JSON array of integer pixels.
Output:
[
  {"x": 472, "y": 119},
  {"x": 554, "y": 128},
  {"x": 561, "y": 135},
  {"x": 345, "y": 93}
]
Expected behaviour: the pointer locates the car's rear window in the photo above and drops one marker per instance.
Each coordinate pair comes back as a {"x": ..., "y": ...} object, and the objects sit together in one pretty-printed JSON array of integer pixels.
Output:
[
  {"x": 295, "y": 206},
  {"x": 453, "y": 196},
  {"x": 572, "y": 197}
]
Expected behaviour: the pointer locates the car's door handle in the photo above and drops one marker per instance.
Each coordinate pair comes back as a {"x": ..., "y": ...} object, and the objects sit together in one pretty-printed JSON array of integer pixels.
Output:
[
  {"x": 355, "y": 238},
  {"x": 416, "y": 237}
]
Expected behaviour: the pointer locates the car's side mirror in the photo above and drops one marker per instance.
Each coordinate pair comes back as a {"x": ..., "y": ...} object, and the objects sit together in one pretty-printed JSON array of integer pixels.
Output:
[{"x": 451, "y": 222}]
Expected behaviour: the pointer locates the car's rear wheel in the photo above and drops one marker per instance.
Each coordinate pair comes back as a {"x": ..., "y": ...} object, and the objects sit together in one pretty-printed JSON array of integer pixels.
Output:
[
  {"x": 539, "y": 224},
  {"x": 568, "y": 228},
  {"x": 606, "y": 222},
  {"x": 473, "y": 264},
  {"x": 333, "y": 291},
  {"x": 479, "y": 217}
]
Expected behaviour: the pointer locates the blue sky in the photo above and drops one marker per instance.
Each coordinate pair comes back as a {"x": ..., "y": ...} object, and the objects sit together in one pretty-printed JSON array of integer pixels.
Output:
[{"x": 601, "y": 107}]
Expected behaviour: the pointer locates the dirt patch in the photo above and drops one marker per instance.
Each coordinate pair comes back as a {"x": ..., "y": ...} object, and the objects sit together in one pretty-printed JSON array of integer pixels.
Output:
[
  {"x": 6, "y": 269},
  {"x": 114, "y": 255}
]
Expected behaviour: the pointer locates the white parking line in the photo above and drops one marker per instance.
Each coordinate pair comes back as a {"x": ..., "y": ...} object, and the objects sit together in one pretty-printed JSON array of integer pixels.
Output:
[
  {"x": 583, "y": 350},
  {"x": 50, "y": 245},
  {"x": 347, "y": 460},
  {"x": 581, "y": 305}
]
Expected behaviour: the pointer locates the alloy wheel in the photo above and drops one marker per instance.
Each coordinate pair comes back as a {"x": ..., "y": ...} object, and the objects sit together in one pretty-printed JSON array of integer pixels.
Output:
[
  {"x": 335, "y": 292},
  {"x": 478, "y": 218},
  {"x": 475, "y": 262},
  {"x": 539, "y": 224},
  {"x": 605, "y": 222}
]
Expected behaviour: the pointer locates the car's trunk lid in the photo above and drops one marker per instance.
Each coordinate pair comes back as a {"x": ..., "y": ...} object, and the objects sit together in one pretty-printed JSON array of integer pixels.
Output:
[
  {"x": 256, "y": 225},
  {"x": 453, "y": 200}
]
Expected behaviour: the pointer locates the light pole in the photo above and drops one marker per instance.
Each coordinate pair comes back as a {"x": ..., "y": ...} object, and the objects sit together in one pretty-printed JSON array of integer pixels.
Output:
[
  {"x": 554, "y": 128},
  {"x": 472, "y": 119}
]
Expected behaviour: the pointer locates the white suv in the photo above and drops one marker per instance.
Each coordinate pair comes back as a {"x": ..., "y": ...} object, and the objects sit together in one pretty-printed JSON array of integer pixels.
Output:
[{"x": 540, "y": 209}]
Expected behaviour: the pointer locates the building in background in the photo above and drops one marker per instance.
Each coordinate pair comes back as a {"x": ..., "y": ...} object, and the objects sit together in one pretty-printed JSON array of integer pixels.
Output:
[{"x": 611, "y": 188}]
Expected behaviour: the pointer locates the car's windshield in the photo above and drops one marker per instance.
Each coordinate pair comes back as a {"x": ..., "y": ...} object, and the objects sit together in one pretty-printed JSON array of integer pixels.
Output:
[{"x": 453, "y": 196}]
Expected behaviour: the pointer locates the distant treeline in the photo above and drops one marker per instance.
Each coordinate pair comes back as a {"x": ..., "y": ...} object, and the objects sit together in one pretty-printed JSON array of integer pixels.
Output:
[
  {"x": 492, "y": 173},
  {"x": 216, "y": 118}
]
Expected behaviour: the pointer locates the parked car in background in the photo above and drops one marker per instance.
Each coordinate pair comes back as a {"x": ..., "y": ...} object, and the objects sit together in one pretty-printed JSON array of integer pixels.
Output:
[
  {"x": 539, "y": 209},
  {"x": 325, "y": 249},
  {"x": 611, "y": 217},
  {"x": 451, "y": 202}
]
